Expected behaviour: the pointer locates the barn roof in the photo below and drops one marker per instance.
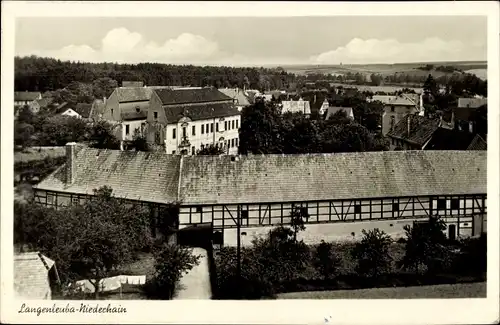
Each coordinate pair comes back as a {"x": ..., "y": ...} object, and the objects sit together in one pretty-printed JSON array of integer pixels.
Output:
[
  {"x": 135, "y": 175},
  {"x": 133, "y": 94},
  {"x": 31, "y": 275},
  {"x": 192, "y": 180},
  {"x": 200, "y": 111},
  {"x": 445, "y": 139}
]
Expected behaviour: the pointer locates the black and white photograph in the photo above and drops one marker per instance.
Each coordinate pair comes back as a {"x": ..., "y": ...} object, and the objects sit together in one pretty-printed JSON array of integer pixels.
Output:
[{"x": 248, "y": 156}]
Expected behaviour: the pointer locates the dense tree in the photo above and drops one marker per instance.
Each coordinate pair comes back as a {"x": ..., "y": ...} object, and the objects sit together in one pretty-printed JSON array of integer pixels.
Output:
[
  {"x": 325, "y": 260},
  {"x": 94, "y": 240},
  {"x": 139, "y": 142},
  {"x": 372, "y": 253},
  {"x": 23, "y": 134},
  {"x": 102, "y": 136},
  {"x": 103, "y": 87},
  {"x": 211, "y": 150}
]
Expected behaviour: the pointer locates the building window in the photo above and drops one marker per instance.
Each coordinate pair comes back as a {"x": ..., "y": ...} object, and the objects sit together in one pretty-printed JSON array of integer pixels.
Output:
[
  {"x": 232, "y": 143},
  {"x": 244, "y": 213},
  {"x": 137, "y": 109},
  {"x": 112, "y": 113},
  {"x": 395, "y": 207},
  {"x": 441, "y": 204},
  {"x": 455, "y": 204},
  {"x": 75, "y": 201},
  {"x": 202, "y": 128},
  {"x": 225, "y": 125},
  {"x": 184, "y": 132},
  {"x": 193, "y": 150},
  {"x": 127, "y": 129},
  {"x": 50, "y": 199},
  {"x": 173, "y": 133},
  {"x": 206, "y": 128},
  {"x": 232, "y": 124},
  {"x": 216, "y": 127},
  {"x": 173, "y": 152},
  {"x": 357, "y": 208},
  {"x": 193, "y": 130},
  {"x": 212, "y": 128},
  {"x": 155, "y": 114},
  {"x": 237, "y": 124},
  {"x": 392, "y": 108},
  {"x": 236, "y": 141}
]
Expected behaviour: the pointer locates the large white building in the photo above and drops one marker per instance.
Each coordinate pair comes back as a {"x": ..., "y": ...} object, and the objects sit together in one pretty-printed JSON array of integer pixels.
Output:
[{"x": 187, "y": 120}]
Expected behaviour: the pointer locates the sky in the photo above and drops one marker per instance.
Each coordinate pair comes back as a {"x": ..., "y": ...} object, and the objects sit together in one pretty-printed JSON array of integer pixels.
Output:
[{"x": 242, "y": 41}]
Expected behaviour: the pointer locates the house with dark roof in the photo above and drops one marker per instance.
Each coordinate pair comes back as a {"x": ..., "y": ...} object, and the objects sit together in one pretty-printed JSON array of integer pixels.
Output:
[
  {"x": 413, "y": 132},
  {"x": 396, "y": 107},
  {"x": 463, "y": 114},
  {"x": 127, "y": 108},
  {"x": 186, "y": 120},
  {"x": 347, "y": 191},
  {"x": 34, "y": 274},
  {"x": 22, "y": 98},
  {"x": 446, "y": 139},
  {"x": 238, "y": 95}
]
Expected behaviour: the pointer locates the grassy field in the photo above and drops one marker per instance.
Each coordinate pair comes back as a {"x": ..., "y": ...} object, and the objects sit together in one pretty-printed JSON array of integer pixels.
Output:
[{"x": 462, "y": 290}]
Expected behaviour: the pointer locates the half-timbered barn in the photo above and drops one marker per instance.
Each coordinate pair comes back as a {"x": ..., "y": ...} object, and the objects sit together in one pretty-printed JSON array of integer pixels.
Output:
[{"x": 342, "y": 193}]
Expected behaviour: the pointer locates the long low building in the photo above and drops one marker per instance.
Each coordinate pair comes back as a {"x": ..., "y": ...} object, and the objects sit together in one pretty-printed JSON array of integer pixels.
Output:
[{"x": 374, "y": 188}]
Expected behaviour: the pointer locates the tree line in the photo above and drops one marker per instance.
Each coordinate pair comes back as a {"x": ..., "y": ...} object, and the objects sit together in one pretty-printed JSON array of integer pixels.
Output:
[{"x": 34, "y": 73}]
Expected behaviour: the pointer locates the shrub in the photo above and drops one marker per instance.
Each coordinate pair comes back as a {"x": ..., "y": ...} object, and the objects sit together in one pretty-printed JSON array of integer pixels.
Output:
[
  {"x": 326, "y": 261},
  {"x": 473, "y": 256},
  {"x": 171, "y": 262},
  {"x": 372, "y": 253},
  {"x": 425, "y": 249}
]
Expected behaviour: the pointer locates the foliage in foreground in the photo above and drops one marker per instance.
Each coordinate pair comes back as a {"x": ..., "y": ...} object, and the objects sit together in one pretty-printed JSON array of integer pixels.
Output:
[{"x": 171, "y": 262}]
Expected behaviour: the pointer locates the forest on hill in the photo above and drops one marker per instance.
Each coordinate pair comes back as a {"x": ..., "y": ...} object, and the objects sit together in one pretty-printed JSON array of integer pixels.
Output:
[{"x": 47, "y": 74}]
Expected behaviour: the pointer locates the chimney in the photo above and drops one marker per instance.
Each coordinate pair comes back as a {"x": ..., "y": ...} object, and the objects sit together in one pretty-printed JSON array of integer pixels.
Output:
[
  {"x": 409, "y": 124},
  {"x": 104, "y": 99},
  {"x": 70, "y": 162}
]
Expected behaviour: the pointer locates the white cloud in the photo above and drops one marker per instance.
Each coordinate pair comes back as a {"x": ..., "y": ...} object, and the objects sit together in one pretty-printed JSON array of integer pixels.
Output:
[
  {"x": 393, "y": 51},
  {"x": 123, "y": 46}
]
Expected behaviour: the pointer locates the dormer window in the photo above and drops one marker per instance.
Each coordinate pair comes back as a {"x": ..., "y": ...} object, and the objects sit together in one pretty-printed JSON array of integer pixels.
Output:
[
  {"x": 137, "y": 109},
  {"x": 155, "y": 114}
]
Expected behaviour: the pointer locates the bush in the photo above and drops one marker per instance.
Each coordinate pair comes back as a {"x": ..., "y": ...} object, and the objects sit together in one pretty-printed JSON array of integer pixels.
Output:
[
  {"x": 172, "y": 261},
  {"x": 372, "y": 253},
  {"x": 473, "y": 256},
  {"x": 426, "y": 249},
  {"x": 326, "y": 261}
]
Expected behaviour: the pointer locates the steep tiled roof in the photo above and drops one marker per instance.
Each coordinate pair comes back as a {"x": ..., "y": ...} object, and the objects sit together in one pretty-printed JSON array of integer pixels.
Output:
[
  {"x": 188, "y": 95},
  {"x": 278, "y": 178},
  {"x": 200, "y": 111},
  {"x": 133, "y": 94},
  {"x": 445, "y": 139},
  {"x": 146, "y": 176},
  {"x": 31, "y": 278},
  {"x": 472, "y": 102},
  {"x": 478, "y": 143},
  {"x": 236, "y": 94},
  {"x": 155, "y": 177},
  {"x": 83, "y": 109},
  {"x": 421, "y": 129},
  {"x": 26, "y": 95},
  {"x": 332, "y": 110},
  {"x": 300, "y": 106}
]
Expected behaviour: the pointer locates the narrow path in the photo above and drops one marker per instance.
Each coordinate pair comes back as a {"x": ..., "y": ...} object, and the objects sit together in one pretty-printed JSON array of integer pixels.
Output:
[{"x": 196, "y": 283}]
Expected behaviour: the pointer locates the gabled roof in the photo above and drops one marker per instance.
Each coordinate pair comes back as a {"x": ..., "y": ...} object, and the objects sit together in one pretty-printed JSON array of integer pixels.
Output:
[
  {"x": 236, "y": 94},
  {"x": 478, "y": 143},
  {"x": 194, "y": 180},
  {"x": 31, "y": 275},
  {"x": 281, "y": 178},
  {"x": 332, "y": 110},
  {"x": 83, "y": 109},
  {"x": 133, "y": 94},
  {"x": 472, "y": 102},
  {"x": 446, "y": 139},
  {"x": 44, "y": 102},
  {"x": 21, "y": 96},
  {"x": 200, "y": 111},
  {"x": 135, "y": 175},
  {"x": 300, "y": 106},
  {"x": 421, "y": 129},
  {"x": 189, "y": 95}
]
